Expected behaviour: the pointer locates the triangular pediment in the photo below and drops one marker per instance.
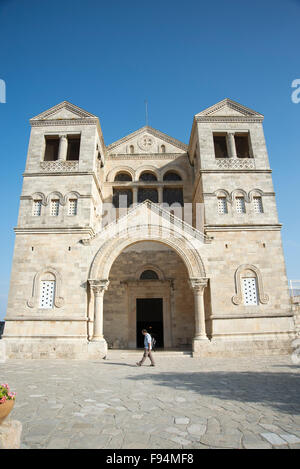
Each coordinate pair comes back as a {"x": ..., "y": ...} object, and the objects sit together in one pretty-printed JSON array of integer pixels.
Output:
[
  {"x": 229, "y": 108},
  {"x": 64, "y": 111},
  {"x": 147, "y": 140}
]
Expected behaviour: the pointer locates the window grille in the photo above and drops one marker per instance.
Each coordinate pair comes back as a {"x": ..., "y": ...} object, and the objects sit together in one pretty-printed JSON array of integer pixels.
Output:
[
  {"x": 222, "y": 205},
  {"x": 54, "y": 209},
  {"x": 147, "y": 194},
  {"x": 72, "y": 207},
  {"x": 249, "y": 287},
  {"x": 240, "y": 205},
  {"x": 37, "y": 208},
  {"x": 47, "y": 290},
  {"x": 257, "y": 204}
]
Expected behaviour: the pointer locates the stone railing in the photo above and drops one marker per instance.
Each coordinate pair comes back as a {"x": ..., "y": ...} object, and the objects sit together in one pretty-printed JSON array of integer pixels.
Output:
[
  {"x": 235, "y": 163},
  {"x": 59, "y": 166}
]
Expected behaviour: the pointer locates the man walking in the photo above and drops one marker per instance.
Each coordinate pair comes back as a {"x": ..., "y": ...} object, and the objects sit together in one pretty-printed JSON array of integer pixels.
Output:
[{"x": 147, "y": 349}]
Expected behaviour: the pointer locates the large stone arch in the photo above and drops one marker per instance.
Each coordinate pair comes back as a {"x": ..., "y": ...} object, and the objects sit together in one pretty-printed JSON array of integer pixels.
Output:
[
  {"x": 147, "y": 222},
  {"x": 112, "y": 248}
]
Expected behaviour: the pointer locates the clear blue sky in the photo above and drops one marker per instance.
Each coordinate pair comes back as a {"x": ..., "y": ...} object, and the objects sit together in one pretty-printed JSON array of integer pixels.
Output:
[{"x": 183, "y": 56}]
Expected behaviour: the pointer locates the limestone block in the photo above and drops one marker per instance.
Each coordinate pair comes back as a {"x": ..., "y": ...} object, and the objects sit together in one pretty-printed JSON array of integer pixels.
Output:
[
  {"x": 10, "y": 434},
  {"x": 2, "y": 352}
]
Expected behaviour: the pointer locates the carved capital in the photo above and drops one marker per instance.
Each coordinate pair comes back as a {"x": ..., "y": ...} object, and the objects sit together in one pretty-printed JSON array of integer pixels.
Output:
[
  {"x": 198, "y": 285},
  {"x": 98, "y": 286}
]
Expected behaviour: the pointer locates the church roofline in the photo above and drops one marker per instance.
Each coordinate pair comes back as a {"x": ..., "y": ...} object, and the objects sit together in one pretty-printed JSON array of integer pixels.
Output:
[
  {"x": 63, "y": 105},
  {"x": 152, "y": 131},
  {"x": 240, "y": 108}
]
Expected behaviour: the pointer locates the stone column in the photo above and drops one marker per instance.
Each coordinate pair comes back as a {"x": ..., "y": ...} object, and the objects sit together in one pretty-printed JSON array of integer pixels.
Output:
[
  {"x": 198, "y": 285},
  {"x": 63, "y": 147},
  {"x": 231, "y": 145},
  {"x": 98, "y": 287},
  {"x": 160, "y": 194},
  {"x": 135, "y": 195}
]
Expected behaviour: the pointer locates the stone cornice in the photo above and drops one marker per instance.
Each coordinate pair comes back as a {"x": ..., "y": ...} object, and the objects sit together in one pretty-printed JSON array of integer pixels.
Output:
[
  {"x": 64, "y": 122},
  {"x": 144, "y": 156},
  {"x": 54, "y": 230},
  {"x": 229, "y": 119},
  {"x": 42, "y": 317},
  {"x": 77, "y": 173},
  {"x": 253, "y": 315},
  {"x": 235, "y": 171},
  {"x": 245, "y": 227}
]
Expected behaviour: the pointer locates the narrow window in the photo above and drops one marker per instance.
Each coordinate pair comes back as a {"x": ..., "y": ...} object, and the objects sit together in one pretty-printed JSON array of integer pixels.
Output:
[
  {"x": 72, "y": 207},
  {"x": 249, "y": 289},
  {"x": 240, "y": 205},
  {"x": 222, "y": 205},
  {"x": 163, "y": 148},
  {"x": 47, "y": 291},
  {"x": 131, "y": 149},
  {"x": 37, "y": 208},
  {"x": 220, "y": 145},
  {"x": 242, "y": 145},
  {"x": 51, "y": 149},
  {"x": 73, "y": 148},
  {"x": 257, "y": 205},
  {"x": 54, "y": 208}
]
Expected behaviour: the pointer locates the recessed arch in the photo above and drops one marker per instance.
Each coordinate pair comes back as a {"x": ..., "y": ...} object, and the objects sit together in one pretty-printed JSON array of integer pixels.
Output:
[
  {"x": 175, "y": 170},
  {"x": 255, "y": 272},
  {"x": 120, "y": 169},
  {"x": 149, "y": 169},
  {"x": 113, "y": 247},
  {"x": 150, "y": 267},
  {"x": 58, "y": 300}
]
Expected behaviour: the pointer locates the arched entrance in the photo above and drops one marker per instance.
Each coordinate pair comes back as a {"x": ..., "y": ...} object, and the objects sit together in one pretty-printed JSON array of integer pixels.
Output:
[
  {"x": 148, "y": 288},
  {"x": 185, "y": 243}
]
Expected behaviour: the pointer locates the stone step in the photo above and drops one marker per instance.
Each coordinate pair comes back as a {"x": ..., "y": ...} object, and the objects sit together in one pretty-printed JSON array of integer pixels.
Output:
[{"x": 137, "y": 353}]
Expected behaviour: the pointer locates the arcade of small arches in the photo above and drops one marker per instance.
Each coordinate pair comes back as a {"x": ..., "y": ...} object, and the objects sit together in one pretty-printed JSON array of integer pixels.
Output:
[{"x": 148, "y": 184}]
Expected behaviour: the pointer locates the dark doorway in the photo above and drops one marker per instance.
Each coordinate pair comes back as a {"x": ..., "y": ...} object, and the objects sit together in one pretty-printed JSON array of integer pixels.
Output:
[{"x": 149, "y": 315}]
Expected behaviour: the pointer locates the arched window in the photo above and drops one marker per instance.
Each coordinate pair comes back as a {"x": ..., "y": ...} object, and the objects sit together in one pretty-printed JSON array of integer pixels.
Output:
[
  {"x": 149, "y": 275},
  {"x": 172, "y": 176},
  {"x": 131, "y": 149},
  {"x": 148, "y": 176},
  {"x": 122, "y": 176},
  {"x": 46, "y": 290},
  {"x": 249, "y": 286},
  {"x": 163, "y": 148}
]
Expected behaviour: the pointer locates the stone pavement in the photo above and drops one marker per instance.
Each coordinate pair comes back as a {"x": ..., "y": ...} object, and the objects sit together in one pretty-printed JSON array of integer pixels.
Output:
[{"x": 181, "y": 403}]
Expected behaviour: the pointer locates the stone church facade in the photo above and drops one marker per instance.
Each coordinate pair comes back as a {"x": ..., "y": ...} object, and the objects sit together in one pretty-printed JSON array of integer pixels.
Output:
[{"x": 147, "y": 232}]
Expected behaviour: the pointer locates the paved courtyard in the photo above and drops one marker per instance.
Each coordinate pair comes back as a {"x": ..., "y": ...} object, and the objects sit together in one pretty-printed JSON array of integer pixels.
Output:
[{"x": 181, "y": 403}]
